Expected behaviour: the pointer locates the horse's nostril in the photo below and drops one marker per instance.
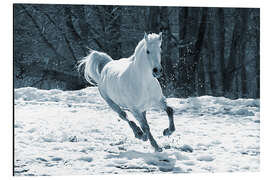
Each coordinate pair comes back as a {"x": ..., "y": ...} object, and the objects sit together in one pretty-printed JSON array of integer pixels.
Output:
[
  {"x": 155, "y": 70},
  {"x": 160, "y": 69}
]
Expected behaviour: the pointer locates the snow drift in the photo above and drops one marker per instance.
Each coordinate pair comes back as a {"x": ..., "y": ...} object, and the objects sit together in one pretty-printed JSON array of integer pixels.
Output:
[{"x": 75, "y": 132}]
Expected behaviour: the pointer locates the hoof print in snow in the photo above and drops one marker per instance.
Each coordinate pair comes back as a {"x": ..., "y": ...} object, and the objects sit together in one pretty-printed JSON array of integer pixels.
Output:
[
  {"x": 189, "y": 163},
  {"x": 205, "y": 158},
  {"x": 50, "y": 164},
  {"x": 167, "y": 147},
  {"x": 244, "y": 112},
  {"x": 29, "y": 174},
  {"x": 41, "y": 159},
  {"x": 165, "y": 169},
  {"x": 186, "y": 148},
  {"x": 57, "y": 159},
  {"x": 87, "y": 159},
  {"x": 117, "y": 143},
  {"x": 250, "y": 153},
  {"x": 19, "y": 171},
  {"x": 122, "y": 148},
  {"x": 216, "y": 142},
  {"x": 164, "y": 160},
  {"x": 73, "y": 139}
]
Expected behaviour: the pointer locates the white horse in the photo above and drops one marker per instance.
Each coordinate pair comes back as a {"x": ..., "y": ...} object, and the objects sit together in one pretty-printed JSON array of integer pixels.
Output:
[{"x": 130, "y": 83}]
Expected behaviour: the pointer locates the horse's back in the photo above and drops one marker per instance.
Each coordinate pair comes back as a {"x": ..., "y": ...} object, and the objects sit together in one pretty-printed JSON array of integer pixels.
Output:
[
  {"x": 116, "y": 67},
  {"x": 114, "y": 79}
]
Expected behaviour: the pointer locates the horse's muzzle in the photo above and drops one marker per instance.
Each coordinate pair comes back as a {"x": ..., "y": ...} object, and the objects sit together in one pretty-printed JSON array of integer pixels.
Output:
[{"x": 157, "y": 72}]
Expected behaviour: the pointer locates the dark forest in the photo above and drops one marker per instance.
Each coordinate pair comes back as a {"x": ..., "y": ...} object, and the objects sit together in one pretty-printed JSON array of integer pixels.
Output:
[{"x": 205, "y": 51}]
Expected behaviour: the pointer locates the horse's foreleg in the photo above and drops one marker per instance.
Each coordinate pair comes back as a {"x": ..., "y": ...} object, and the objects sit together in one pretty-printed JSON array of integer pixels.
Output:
[
  {"x": 169, "y": 111},
  {"x": 141, "y": 117},
  {"x": 122, "y": 114}
]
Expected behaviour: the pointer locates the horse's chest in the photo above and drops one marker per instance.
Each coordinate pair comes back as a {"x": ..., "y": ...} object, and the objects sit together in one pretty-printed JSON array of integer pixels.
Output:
[
  {"x": 132, "y": 94},
  {"x": 145, "y": 97}
]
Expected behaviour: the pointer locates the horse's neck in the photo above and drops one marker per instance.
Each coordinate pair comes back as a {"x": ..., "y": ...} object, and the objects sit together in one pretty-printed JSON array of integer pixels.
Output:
[{"x": 140, "y": 68}]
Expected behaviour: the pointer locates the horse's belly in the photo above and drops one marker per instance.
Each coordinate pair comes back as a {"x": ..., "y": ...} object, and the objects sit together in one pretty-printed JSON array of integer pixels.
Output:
[
  {"x": 114, "y": 90},
  {"x": 139, "y": 99},
  {"x": 128, "y": 97}
]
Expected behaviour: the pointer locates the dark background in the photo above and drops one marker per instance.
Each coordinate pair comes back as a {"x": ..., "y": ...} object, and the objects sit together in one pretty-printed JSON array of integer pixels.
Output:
[{"x": 205, "y": 51}]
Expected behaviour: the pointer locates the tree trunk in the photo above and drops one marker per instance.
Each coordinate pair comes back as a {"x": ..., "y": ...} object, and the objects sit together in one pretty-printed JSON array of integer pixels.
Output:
[
  {"x": 217, "y": 27},
  {"x": 153, "y": 21},
  {"x": 167, "y": 77}
]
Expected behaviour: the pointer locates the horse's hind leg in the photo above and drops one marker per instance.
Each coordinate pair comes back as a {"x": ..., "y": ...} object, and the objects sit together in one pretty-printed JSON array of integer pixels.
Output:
[
  {"x": 122, "y": 114},
  {"x": 169, "y": 111},
  {"x": 141, "y": 117}
]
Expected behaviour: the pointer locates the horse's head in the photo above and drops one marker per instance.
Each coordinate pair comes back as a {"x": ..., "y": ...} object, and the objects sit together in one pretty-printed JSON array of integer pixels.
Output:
[{"x": 152, "y": 51}]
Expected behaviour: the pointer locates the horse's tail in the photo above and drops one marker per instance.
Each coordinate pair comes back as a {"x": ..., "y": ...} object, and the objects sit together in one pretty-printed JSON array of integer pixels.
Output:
[{"x": 93, "y": 65}]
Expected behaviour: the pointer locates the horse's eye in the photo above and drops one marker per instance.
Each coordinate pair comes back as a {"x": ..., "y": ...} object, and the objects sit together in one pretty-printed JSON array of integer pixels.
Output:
[{"x": 147, "y": 52}]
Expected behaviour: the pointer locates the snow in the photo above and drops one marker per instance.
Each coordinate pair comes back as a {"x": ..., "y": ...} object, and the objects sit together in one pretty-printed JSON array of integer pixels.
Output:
[
  {"x": 186, "y": 148},
  {"x": 76, "y": 133},
  {"x": 205, "y": 158}
]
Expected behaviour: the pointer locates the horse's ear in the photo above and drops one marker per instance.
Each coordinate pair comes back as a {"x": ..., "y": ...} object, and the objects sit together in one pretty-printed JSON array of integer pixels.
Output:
[
  {"x": 160, "y": 36},
  {"x": 145, "y": 37}
]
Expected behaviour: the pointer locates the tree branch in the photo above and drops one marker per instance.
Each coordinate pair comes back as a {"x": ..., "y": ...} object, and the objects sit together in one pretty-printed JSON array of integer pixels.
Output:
[
  {"x": 61, "y": 30},
  {"x": 41, "y": 33}
]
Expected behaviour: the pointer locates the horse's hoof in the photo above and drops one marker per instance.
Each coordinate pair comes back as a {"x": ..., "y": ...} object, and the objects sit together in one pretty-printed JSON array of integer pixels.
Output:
[
  {"x": 138, "y": 134},
  {"x": 123, "y": 115},
  {"x": 158, "y": 149},
  {"x": 167, "y": 132},
  {"x": 141, "y": 136},
  {"x": 144, "y": 137}
]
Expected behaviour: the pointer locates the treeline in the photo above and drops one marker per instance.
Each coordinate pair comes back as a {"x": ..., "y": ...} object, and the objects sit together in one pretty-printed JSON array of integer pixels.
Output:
[{"x": 205, "y": 51}]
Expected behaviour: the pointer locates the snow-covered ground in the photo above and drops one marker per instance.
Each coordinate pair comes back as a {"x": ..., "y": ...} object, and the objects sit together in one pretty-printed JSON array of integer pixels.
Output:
[{"x": 76, "y": 133}]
